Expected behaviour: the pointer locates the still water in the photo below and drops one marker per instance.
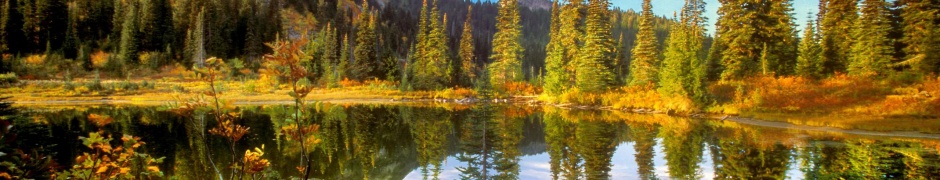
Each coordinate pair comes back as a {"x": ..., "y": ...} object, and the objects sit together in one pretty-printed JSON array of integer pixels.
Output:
[{"x": 502, "y": 142}]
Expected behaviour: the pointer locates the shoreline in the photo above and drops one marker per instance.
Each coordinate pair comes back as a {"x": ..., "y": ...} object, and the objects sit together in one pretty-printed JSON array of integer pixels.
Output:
[{"x": 530, "y": 101}]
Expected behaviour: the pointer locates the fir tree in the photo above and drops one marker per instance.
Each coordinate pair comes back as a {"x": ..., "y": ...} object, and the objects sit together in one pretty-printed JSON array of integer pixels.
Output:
[
  {"x": 196, "y": 44},
  {"x": 507, "y": 48},
  {"x": 872, "y": 51},
  {"x": 808, "y": 63},
  {"x": 921, "y": 35},
  {"x": 684, "y": 70},
  {"x": 755, "y": 37},
  {"x": 645, "y": 64},
  {"x": 468, "y": 67},
  {"x": 836, "y": 22},
  {"x": 365, "y": 65},
  {"x": 342, "y": 65},
  {"x": 556, "y": 76},
  {"x": 593, "y": 72},
  {"x": 129, "y": 37},
  {"x": 330, "y": 57},
  {"x": 432, "y": 70}
]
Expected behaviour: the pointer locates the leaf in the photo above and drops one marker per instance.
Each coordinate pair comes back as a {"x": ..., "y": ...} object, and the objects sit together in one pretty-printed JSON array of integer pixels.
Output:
[{"x": 101, "y": 169}]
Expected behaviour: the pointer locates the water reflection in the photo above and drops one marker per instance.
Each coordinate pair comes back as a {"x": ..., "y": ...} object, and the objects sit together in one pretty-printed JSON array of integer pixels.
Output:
[{"x": 508, "y": 142}]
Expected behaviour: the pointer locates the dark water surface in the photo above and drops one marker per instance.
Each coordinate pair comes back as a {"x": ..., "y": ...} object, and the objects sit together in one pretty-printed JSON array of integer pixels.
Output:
[{"x": 508, "y": 142}]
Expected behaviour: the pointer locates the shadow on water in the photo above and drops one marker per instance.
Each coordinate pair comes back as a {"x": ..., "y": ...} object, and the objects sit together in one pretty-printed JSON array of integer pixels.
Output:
[{"x": 501, "y": 142}]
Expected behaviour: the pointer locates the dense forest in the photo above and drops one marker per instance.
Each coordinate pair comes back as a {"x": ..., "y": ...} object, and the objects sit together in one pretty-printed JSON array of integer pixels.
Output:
[{"x": 562, "y": 46}]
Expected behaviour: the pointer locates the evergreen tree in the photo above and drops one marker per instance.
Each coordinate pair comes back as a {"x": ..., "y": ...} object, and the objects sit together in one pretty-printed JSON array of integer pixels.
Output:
[
  {"x": 342, "y": 65},
  {"x": 921, "y": 35},
  {"x": 468, "y": 67},
  {"x": 365, "y": 66},
  {"x": 571, "y": 32},
  {"x": 808, "y": 63},
  {"x": 432, "y": 70},
  {"x": 872, "y": 51},
  {"x": 330, "y": 57},
  {"x": 507, "y": 48},
  {"x": 685, "y": 70},
  {"x": 645, "y": 64},
  {"x": 593, "y": 72},
  {"x": 195, "y": 46},
  {"x": 556, "y": 76},
  {"x": 129, "y": 37},
  {"x": 755, "y": 37},
  {"x": 836, "y": 22}
]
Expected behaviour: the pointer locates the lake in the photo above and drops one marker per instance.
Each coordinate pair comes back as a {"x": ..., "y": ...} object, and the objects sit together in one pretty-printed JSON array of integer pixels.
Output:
[{"x": 492, "y": 142}]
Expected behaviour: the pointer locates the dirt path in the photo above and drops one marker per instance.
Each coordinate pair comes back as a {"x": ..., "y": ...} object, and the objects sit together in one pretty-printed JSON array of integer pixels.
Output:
[{"x": 772, "y": 124}]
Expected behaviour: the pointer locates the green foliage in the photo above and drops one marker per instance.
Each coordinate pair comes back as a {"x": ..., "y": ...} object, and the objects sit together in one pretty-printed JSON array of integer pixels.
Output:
[
  {"x": 432, "y": 57},
  {"x": 756, "y": 37},
  {"x": 921, "y": 36},
  {"x": 809, "y": 63},
  {"x": 468, "y": 66},
  {"x": 129, "y": 34},
  {"x": 365, "y": 65},
  {"x": 872, "y": 50},
  {"x": 506, "y": 63},
  {"x": 837, "y": 18},
  {"x": 645, "y": 64},
  {"x": 592, "y": 68},
  {"x": 556, "y": 76},
  {"x": 8, "y": 78},
  {"x": 685, "y": 71}
]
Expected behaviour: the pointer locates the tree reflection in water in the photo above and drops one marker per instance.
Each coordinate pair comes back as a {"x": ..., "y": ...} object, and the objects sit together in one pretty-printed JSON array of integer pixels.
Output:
[{"x": 502, "y": 142}]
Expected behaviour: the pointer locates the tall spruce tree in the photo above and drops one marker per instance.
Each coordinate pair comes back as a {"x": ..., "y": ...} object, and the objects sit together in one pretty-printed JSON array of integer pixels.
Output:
[
  {"x": 468, "y": 67},
  {"x": 835, "y": 27},
  {"x": 685, "y": 70},
  {"x": 755, "y": 37},
  {"x": 365, "y": 65},
  {"x": 920, "y": 21},
  {"x": 506, "y": 65},
  {"x": 129, "y": 33},
  {"x": 571, "y": 29},
  {"x": 872, "y": 51},
  {"x": 644, "y": 67},
  {"x": 195, "y": 47},
  {"x": 432, "y": 70},
  {"x": 556, "y": 76},
  {"x": 808, "y": 63},
  {"x": 593, "y": 73}
]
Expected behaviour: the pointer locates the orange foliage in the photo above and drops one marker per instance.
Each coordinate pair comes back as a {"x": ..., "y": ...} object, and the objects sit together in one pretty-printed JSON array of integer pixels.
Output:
[
  {"x": 521, "y": 88},
  {"x": 346, "y": 82},
  {"x": 99, "y": 59},
  {"x": 36, "y": 60},
  {"x": 797, "y": 93}
]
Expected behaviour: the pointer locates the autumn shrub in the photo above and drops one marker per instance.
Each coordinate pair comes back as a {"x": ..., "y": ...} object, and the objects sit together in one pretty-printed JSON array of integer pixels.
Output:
[
  {"x": 456, "y": 93},
  {"x": 346, "y": 83},
  {"x": 520, "y": 88},
  {"x": 768, "y": 93}
]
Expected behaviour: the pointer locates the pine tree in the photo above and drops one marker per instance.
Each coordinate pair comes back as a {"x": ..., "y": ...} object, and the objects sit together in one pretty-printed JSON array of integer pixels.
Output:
[
  {"x": 468, "y": 67},
  {"x": 756, "y": 37},
  {"x": 921, "y": 35},
  {"x": 685, "y": 70},
  {"x": 808, "y": 63},
  {"x": 329, "y": 58},
  {"x": 5, "y": 13},
  {"x": 129, "y": 37},
  {"x": 645, "y": 65},
  {"x": 872, "y": 51},
  {"x": 365, "y": 65},
  {"x": 593, "y": 72},
  {"x": 432, "y": 68},
  {"x": 556, "y": 76},
  {"x": 196, "y": 44},
  {"x": 507, "y": 48},
  {"x": 836, "y": 23},
  {"x": 342, "y": 66}
]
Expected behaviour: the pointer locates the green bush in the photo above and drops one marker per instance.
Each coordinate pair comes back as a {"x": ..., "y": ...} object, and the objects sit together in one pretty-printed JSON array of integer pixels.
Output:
[{"x": 8, "y": 78}]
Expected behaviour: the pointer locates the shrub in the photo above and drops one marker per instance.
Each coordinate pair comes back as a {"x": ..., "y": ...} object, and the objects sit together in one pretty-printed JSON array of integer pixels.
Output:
[{"x": 8, "y": 78}]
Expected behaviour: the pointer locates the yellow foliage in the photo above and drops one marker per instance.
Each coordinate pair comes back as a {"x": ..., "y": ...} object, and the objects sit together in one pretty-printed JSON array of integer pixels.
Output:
[{"x": 36, "y": 60}]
